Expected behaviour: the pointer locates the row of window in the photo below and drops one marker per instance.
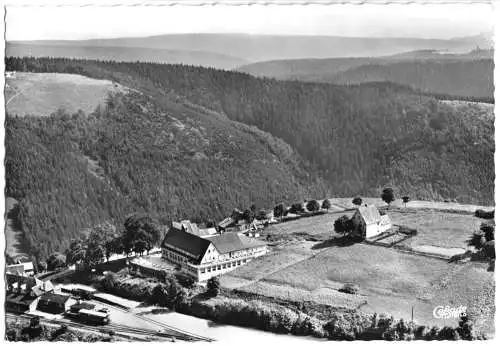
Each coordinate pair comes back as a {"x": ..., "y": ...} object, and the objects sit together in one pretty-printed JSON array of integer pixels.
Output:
[
  {"x": 222, "y": 266},
  {"x": 173, "y": 257}
]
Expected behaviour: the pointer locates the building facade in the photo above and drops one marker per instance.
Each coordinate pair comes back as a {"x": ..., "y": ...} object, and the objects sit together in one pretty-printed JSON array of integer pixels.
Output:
[
  {"x": 203, "y": 258},
  {"x": 368, "y": 222}
]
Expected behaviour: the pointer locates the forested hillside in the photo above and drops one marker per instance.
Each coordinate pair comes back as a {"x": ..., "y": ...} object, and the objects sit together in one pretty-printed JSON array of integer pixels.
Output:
[
  {"x": 464, "y": 75},
  {"x": 471, "y": 78},
  {"x": 174, "y": 150},
  {"x": 70, "y": 172}
]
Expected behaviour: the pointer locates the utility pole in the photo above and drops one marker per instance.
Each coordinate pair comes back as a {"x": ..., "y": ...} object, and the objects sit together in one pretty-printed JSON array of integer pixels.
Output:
[{"x": 412, "y": 314}]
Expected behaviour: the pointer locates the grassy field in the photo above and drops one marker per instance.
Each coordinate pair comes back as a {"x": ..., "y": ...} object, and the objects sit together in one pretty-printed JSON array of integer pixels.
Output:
[
  {"x": 44, "y": 93},
  {"x": 347, "y": 203},
  {"x": 311, "y": 264},
  {"x": 437, "y": 228},
  {"x": 320, "y": 225}
]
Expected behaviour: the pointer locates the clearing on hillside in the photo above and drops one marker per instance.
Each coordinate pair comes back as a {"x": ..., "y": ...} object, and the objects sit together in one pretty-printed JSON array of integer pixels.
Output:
[
  {"x": 13, "y": 232},
  {"x": 42, "y": 94}
]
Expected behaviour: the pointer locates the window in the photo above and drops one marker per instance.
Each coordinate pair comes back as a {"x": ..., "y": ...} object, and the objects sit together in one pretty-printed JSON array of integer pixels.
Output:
[
  {"x": 202, "y": 271},
  {"x": 218, "y": 267}
]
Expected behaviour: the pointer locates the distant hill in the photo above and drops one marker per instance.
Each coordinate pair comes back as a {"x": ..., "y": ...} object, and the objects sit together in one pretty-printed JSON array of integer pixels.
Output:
[
  {"x": 229, "y": 50},
  {"x": 196, "y": 142},
  {"x": 470, "y": 78},
  {"x": 120, "y": 53},
  {"x": 468, "y": 75}
]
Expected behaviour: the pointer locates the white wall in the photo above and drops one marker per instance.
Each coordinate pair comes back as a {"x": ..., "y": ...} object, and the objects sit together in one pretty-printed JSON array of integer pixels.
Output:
[{"x": 372, "y": 230}]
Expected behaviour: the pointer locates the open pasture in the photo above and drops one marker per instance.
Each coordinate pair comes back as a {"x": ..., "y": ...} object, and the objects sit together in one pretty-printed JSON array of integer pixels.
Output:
[
  {"x": 389, "y": 281},
  {"x": 436, "y": 228},
  {"x": 42, "y": 94},
  {"x": 320, "y": 225},
  {"x": 346, "y": 202}
]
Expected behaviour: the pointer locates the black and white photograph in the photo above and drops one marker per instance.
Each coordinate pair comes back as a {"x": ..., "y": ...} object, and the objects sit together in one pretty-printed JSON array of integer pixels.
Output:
[{"x": 248, "y": 172}]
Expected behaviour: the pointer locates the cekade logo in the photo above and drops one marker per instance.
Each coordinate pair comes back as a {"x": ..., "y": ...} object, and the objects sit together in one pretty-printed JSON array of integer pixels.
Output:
[{"x": 445, "y": 312}]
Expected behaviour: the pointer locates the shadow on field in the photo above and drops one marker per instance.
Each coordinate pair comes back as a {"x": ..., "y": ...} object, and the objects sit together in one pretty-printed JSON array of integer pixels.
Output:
[{"x": 335, "y": 242}]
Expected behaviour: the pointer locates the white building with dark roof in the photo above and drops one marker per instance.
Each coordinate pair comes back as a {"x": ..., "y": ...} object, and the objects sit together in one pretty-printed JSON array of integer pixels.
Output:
[{"x": 203, "y": 258}]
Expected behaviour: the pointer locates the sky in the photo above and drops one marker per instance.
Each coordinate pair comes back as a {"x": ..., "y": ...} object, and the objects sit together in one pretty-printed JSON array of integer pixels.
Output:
[{"x": 427, "y": 21}]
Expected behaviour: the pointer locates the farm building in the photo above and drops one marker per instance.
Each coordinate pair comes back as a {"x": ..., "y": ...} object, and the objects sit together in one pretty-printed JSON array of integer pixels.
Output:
[
  {"x": 22, "y": 267},
  {"x": 20, "y": 302},
  {"x": 203, "y": 258},
  {"x": 27, "y": 284},
  {"x": 188, "y": 226},
  {"x": 23, "y": 293},
  {"x": 368, "y": 222},
  {"x": 54, "y": 303},
  {"x": 252, "y": 229}
]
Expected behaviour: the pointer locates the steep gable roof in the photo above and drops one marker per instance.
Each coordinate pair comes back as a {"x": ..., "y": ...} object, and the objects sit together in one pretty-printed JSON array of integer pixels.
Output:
[
  {"x": 227, "y": 222},
  {"x": 370, "y": 214},
  {"x": 229, "y": 242},
  {"x": 56, "y": 298},
  {"x": 192, "y": 244}
]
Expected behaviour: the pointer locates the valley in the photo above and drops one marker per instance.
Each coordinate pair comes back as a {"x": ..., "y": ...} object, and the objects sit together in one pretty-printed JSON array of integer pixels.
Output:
[
  {"x": 291, "y": 174},
  {"x": 283, "y": 140}
]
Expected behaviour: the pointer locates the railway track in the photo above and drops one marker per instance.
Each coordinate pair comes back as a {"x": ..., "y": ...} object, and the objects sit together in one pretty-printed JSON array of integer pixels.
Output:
[
  {"x": 167, "y": 330},
  {"x": 121, "y": 331},
  {"x": 118, "y": 329}
]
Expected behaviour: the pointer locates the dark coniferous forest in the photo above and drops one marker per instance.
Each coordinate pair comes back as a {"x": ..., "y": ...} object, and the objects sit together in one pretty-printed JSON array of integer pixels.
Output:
[{"x": 192, "y": 142}]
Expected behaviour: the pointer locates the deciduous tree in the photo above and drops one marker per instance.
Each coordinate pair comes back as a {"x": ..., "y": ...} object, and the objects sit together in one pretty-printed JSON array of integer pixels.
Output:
[
  {"x": 312, "y": 205},
  {"x": 388, "y": 196},
  {"x": 343, "y": 225}
]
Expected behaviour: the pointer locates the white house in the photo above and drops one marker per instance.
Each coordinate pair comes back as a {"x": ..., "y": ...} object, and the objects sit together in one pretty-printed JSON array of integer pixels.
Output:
[
  {"x": 368, "y": 222},
  {"x": 203, "y": 258}
]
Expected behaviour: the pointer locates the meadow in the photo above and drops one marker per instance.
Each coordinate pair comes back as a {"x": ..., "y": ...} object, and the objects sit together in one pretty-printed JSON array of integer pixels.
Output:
[
  {"x": 436, "y": 228},
  {"x": 311, "y": 263},
  {"x": 417, "y": 204},
  {"x": 44, "y": 93}
]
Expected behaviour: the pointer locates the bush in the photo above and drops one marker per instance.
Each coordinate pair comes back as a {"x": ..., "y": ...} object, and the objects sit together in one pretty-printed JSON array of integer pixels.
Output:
[
  {"x": 357, "y": 201},
  {"x": 343, "y": 225},
  {"x": 109, "y": 281},
  {"x": 56, "y": 261},
  {"x": 484, "y": 214},
  {"x": 213, "y": 286},
  {"x": 313, "y": 205},
  {"x": 326, "y": 204},
  {"x": 296, "y": 208},
  {"x": 350, "y": 289},
  {"x": 185, "y": 281},
  {"x": 448, "y": 333}
]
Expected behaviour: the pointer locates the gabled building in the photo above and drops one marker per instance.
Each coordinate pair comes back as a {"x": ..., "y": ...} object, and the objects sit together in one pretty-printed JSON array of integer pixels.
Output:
[
  {"x": 188, "y": 226},
  {"x": 368, "y": 222},
  {"x": 54, "y": 303},
  {"x": 23, "y": 293},
  {"x": 203, "y": 258},
  {"x": 21, "y": 267}
]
